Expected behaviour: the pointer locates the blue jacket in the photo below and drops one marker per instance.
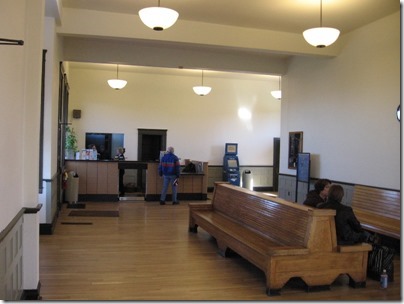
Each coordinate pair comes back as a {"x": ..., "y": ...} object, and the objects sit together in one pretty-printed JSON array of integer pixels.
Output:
[{"x": 169, "y": 165}]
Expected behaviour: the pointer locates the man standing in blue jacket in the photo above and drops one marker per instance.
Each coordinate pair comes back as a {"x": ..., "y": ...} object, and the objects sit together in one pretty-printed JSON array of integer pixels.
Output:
[{"x": 169, "y": 169}]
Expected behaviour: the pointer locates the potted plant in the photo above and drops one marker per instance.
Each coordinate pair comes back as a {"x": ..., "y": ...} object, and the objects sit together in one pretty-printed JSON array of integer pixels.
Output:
[{"x": 70, "y": 143}]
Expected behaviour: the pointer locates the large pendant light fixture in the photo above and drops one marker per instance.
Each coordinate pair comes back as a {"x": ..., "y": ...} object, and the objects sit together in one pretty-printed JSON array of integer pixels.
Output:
[
  {"x": 321, "y": 37},
  {"x": 158, "y": 18},
  {"x": 202, "y": 90},
  {"x": 277, "y": 93},
  {"x": 117, "y": 83}
]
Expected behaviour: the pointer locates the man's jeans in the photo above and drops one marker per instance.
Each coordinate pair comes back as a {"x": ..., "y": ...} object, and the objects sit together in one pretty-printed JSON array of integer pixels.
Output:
[{"x": 168, "y": 180}]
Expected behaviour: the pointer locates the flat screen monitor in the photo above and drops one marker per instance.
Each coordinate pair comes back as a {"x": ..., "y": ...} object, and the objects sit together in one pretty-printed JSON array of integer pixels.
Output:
[
  {"x": 231, "y": 148},
  {"x": 232, "y": 163},
  {"x": 105, "y": 143}
]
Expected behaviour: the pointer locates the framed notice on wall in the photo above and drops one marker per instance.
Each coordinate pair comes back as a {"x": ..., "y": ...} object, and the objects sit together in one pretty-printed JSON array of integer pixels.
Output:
[{"x": 295, "y": 147}]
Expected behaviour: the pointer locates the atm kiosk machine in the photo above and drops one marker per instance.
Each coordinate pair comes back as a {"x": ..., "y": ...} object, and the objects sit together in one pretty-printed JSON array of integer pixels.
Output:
[{"x": 231, "y": 168}]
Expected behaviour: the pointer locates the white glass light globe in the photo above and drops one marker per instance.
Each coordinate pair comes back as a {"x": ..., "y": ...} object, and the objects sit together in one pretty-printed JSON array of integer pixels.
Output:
[
  {"x": 202, "y": 90},
  {"x": 321, "y": 36},
  {"x": 158, "y": 18},
  {"x": 117, "y": 84}
]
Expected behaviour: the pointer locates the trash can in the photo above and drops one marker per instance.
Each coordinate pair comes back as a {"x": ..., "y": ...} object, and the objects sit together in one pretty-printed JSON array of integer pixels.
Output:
[
  {"x": 247, "y": 180},
  {"x": 72, "y": 188}
]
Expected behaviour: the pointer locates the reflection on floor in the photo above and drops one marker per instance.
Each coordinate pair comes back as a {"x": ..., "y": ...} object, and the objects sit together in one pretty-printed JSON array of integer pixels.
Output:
[{"x": 132, "y": 196}]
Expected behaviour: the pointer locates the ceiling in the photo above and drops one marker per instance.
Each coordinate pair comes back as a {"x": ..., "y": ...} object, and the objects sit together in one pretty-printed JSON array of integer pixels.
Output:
[
  {"x": 254, "y": 36},
  {"x": 293, "y": 16}
]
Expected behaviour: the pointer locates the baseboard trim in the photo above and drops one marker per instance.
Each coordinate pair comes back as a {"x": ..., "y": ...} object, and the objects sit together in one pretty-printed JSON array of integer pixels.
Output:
[
  {"x": 263, "y": 189},
  {"x": 46, "y": 229},
  {"x": 180, "y": 196},
  {"x": 31, "y": 294},
  {"x": 258, "y": 189}
]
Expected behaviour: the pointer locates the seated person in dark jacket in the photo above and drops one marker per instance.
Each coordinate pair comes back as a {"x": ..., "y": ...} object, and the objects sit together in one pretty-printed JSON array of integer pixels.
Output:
[
  {"x": 319, "y": 194},
  {"x": 349, "y": 230}
]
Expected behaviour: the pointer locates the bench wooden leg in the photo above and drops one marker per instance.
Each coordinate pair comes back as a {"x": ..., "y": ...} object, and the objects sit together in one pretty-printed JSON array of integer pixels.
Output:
[
  {"x": 193, "y": 229},
  {"x": 354, "y": 284},
  {"x": 223, "y": 249},
  {"x": 273, "y": 292},
  {"x": 317, "y": 288}
]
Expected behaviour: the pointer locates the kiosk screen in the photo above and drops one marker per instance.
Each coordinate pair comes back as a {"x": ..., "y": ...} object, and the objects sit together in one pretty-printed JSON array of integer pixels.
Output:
[{"x": 232, "y": 163}]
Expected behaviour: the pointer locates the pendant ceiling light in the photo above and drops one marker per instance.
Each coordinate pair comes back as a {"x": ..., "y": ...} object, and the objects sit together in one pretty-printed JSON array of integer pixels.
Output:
[
  {"x": 117, "y": 83},
  {"x": 321, "y": 37},
  {"x": 277, "y": 93},
  {"x": 158, "y": 18},
  {"x": 202, "y": 90}
]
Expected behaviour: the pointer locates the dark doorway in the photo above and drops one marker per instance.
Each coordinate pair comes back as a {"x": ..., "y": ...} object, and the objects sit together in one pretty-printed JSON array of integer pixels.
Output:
[
  {"x": 277, "y": 146},
  {"x": 151, "y": 146},
  {"x": 150, "y": 143}
]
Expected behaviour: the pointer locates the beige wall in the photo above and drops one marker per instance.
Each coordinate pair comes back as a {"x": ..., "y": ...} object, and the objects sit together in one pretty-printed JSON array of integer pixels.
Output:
[
  {"x": 198, "y": 127},
  {"x": 346, "y": 107}
]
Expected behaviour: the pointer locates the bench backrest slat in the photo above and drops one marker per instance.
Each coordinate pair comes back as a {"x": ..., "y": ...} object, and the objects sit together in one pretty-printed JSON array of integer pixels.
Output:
[
  {"x": 282, "y": 222},
  {"x": 378, "y": 201},
  {"x": 378, "y": 210}
]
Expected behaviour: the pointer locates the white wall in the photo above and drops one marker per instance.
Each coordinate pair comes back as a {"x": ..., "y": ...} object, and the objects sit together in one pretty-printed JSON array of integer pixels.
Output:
[
  {"x": 198, "y": 127},
  {"x": 11, "y": 118},
  {"x": 53, "y": 57},
  {"x": 346, "y": 107},
  {"x": 20, "y": 89},
  {"x": 20, "y": 102}
]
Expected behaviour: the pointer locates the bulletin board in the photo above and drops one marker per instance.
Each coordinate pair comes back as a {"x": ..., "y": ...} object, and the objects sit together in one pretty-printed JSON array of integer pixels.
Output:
[
  {"x": 303, "y": 171},
  {"x": 303, "y": 167}
]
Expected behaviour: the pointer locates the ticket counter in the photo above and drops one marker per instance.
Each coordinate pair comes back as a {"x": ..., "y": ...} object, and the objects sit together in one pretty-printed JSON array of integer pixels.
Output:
[
  {"x": 191, "y": 186},
  {"x": 99, "y": 180}
]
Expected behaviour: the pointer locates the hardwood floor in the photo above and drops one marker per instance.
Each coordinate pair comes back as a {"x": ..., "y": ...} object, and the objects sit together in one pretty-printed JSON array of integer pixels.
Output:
[{"x": 147, "y": 253}]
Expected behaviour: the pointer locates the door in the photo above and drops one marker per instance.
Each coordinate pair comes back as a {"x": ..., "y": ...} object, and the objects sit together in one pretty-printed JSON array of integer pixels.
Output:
[
  {"x": 277, "y": 145},
  {"x": 151, "y": 147},
  {"x": 150, "y": 143}
]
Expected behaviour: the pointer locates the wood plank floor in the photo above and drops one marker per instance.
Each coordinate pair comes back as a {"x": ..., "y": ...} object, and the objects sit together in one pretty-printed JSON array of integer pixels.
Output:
[{"x": 147, "y": 253}]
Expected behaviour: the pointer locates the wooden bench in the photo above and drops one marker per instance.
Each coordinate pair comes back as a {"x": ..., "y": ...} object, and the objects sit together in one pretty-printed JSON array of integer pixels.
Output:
[
  {"x": 378, "y": 210},
  {"x": 283, "y": 239}
]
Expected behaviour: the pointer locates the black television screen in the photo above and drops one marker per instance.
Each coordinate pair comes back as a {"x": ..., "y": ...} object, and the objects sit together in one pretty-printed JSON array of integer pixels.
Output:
[{"x": 105, "y": 143}]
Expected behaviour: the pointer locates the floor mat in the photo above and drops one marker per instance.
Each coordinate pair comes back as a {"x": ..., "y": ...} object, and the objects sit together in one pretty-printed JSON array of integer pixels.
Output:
[
  {"x": 76, "y": 206},
  {"x": 94, "y": 213},
  {"x": 75, "y": 223}
]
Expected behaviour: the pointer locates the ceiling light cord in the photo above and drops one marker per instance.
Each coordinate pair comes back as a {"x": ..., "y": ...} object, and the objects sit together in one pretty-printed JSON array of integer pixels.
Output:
[{"x": 321, "y": 13}]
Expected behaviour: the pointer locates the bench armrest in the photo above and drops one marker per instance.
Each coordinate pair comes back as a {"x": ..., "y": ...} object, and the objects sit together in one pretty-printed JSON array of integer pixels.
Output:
[
  {"x": 200, "y": 206},
  {"x": 193, "y": 207},
  {"x": 355, "y": 248},
  {"x": 276, "y": 251}
]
